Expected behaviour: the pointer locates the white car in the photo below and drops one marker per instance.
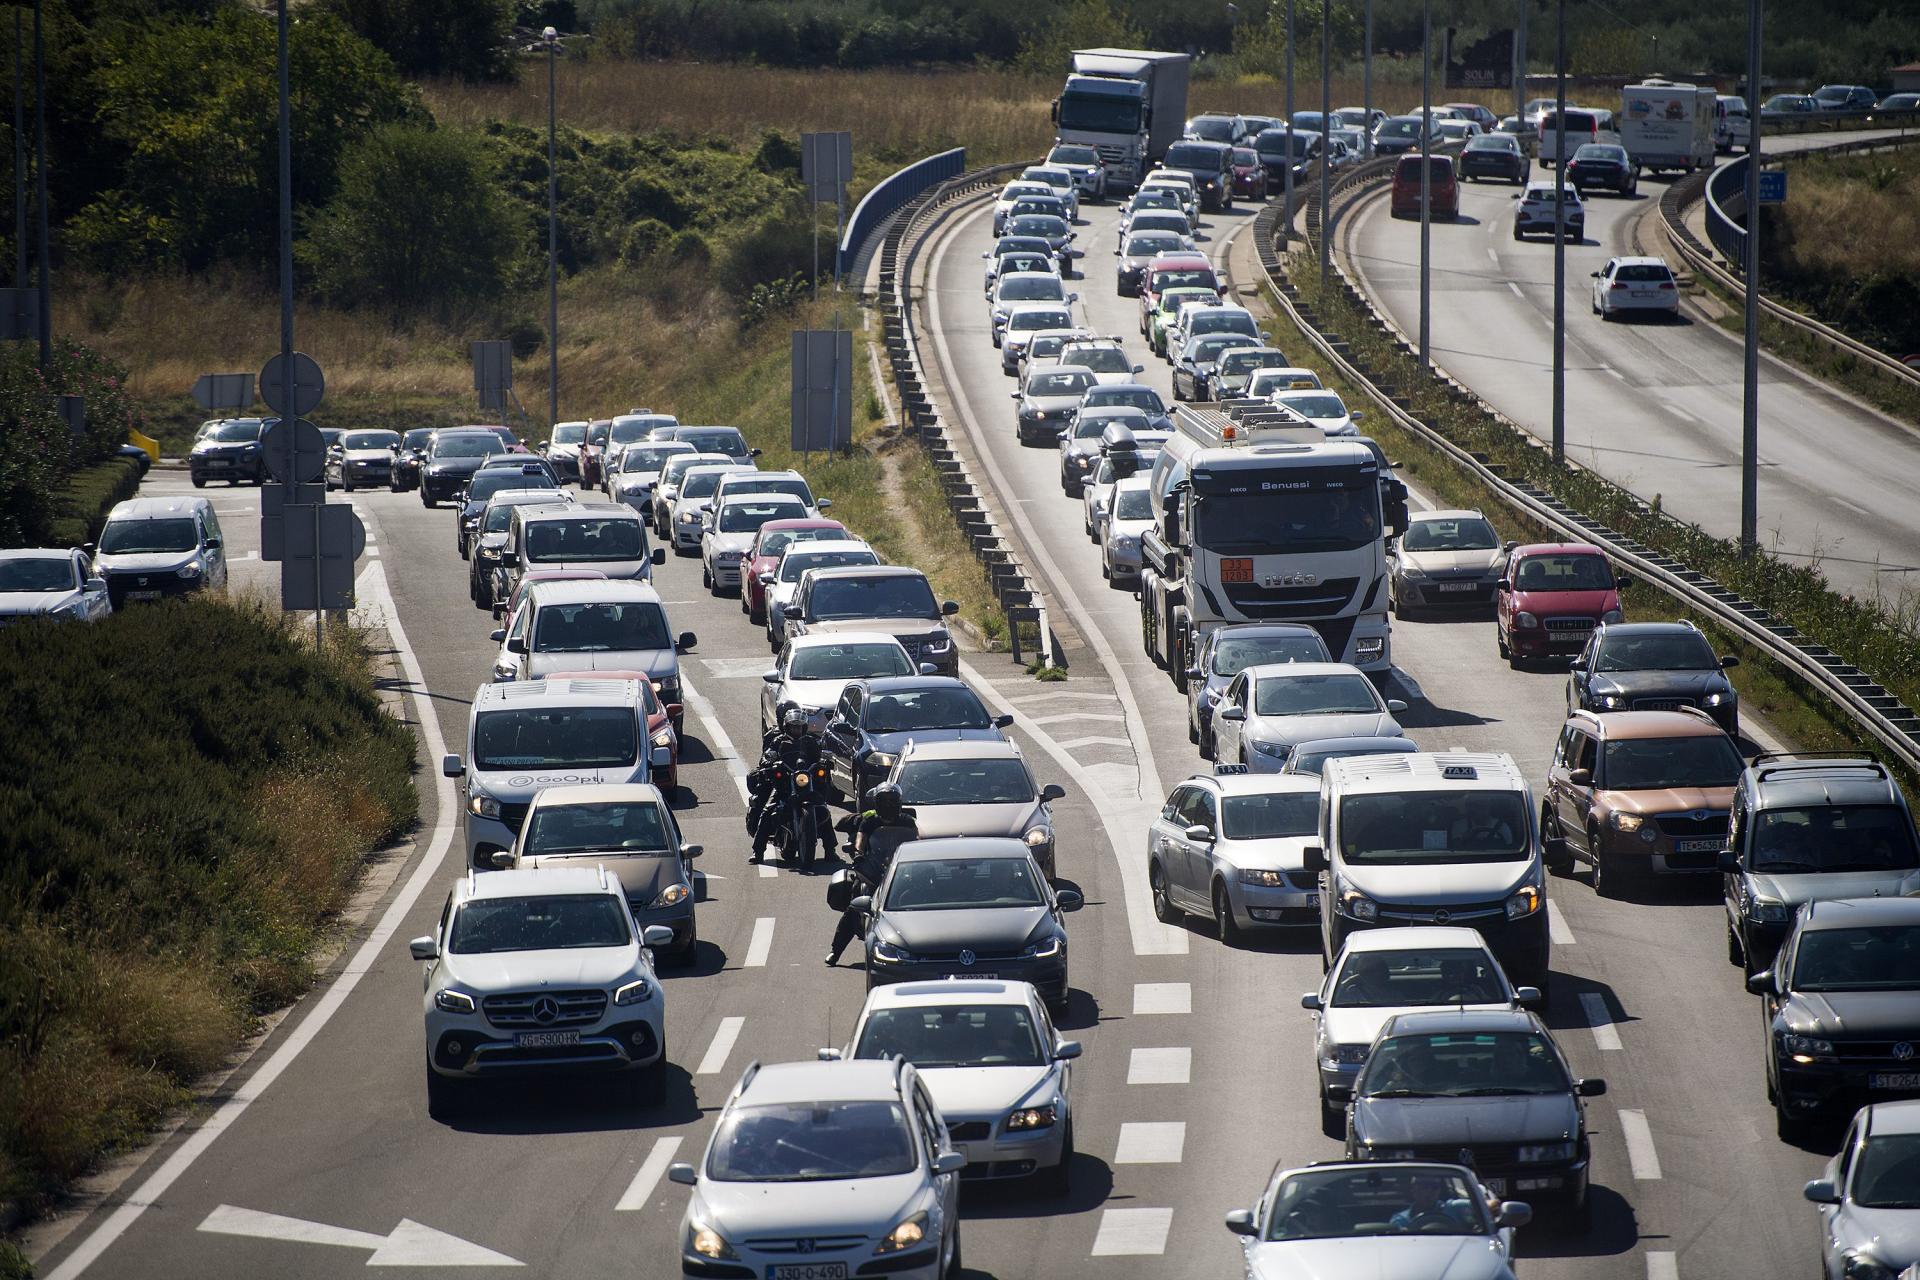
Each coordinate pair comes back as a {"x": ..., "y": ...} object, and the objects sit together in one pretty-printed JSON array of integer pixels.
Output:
[
  {"x": 591, "y": 624},
  {"x": 849, "y": 1162},
  {"x": 667, "y": 487},
  {"x": 812, "y": 671},
  {"x": 1231, "y": 846},
  {"x": 1324, "y": 409},
  {"x": 783, "y": 584},
  {"x": 731, "y": 530},
  {"x": 1128, "y": 515},
  {"x": 978, "y": 787},
  {"x": 1461, "y": 131},
  {"x": 1012, "y": 194},
  {"x": 999, "y": 1072},
  {"x": 1635, "y": 284},
  {"x": 1025, "y": 319},
  {"x": 1869, "y": 1221},
  {"x": 1044, "y": 348},
  {"x": 1113, "y": 467},
  {"x": 1015, "y": 287},
  {"x": 51, "y": 582},
  {"x": 1268, "y": 710},
  {"x": 687, "y": 518},
  {"x": 1105, "y": 357},
  {"x": 639, "y": 471},
  {"x": 1083, "y": 162},
  {"x": 1182, "y": 184},
  {"x": 1268, "y": 383},
  {"x": 535, "y": 971},
  {"x": 1059, "y": 180},
  {"x": 1382, "y": 972}
]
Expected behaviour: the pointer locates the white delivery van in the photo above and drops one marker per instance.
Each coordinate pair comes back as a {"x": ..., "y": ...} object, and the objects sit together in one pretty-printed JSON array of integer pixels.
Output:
[{"x": 1732, "y": 127}]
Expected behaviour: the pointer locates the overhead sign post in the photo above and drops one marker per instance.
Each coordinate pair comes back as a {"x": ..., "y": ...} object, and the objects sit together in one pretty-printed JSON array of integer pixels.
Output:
[
  {"x": 216, "y": 391},
  {"x": 822, "y": 391},
  {"x": 492, "y": 373}
]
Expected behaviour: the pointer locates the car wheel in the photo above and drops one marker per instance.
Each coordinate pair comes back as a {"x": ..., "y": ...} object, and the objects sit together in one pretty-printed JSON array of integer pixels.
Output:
[
  {"x": 954, "y": 1265},
  {"x": 1787, "y": 1126},
  {"x": 1517, "y": 235},
  {"x": 1225, "y": 926},
  {"x": 446, "y": 1097},
  {"x": 1209, "y": 746},
  {"x": 199, "y": 482},
  {"x": 1607, "y": 873},
  {"x": 1558, "y": 863},
  {"x": 1163, "y": 909},
  {"x": 347, "y": 485},
  {"x": 1193, "y": 729},
  {"x": 1333, "y": 1117},
  {"x": 1059, "y": 1179}
]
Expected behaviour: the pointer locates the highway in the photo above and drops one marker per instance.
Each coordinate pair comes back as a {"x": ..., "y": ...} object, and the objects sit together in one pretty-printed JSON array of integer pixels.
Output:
[
  {"x": 318, "y": 1159},
  {"x": 1653, "y": 405}
]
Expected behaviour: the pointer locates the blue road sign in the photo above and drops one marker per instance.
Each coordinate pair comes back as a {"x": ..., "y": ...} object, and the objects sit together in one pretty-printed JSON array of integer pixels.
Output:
[{"x": 1773, "y": 186}]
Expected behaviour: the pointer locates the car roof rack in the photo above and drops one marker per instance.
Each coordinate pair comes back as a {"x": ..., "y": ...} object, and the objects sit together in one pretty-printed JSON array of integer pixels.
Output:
[{"x": 1770, "y": 763}]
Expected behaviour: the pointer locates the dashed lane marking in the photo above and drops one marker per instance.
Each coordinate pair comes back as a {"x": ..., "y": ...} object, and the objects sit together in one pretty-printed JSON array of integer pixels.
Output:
[
  {"x": 1599, "y": 1020},
  {"x": 1493, "y": 257},
  {"x": 1125, "y": 1232},
  {"x": 1516, "y": 290},
  {"x": 1663, "y": 1266},
  {"x": 768, "y": 871},
  {"x": 1557, "y": 931},
  {"x": 715, "y": 1059},
  {"x": 1162, "y": 997},
  {"x": 1644, "y": 1160},
  {"x": 1151, "y": 1142},
  {"x": 761, "y": 944},
  {"x": 652, "y": 1169},
  {"x": 1160, "y": 1066}
]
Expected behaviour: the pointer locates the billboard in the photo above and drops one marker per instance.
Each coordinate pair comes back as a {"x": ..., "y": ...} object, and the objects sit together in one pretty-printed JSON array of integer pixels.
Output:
[{"x": 1485, "y": 64}]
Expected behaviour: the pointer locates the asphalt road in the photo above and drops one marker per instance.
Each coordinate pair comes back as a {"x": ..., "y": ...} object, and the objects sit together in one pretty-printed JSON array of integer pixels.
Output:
[
  {"x": 326, "y": 1128},
  {"x": 1654, "y": 405}
]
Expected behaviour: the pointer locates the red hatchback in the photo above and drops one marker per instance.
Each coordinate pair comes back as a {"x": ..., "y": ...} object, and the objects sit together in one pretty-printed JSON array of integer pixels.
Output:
[
  {"x": 1550, "y": 599},
  {"x": 1440, "y": 184},
  {"x": 1249, "y": 175},
  {"x": 1173, "y": 271},
  {"x": 768, "y": 547}
]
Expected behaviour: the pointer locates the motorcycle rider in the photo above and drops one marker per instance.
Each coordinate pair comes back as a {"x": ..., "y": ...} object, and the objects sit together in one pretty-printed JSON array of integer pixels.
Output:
[
  {"x": 882, "y": 828},
  {"x": 790, "y": 747}
]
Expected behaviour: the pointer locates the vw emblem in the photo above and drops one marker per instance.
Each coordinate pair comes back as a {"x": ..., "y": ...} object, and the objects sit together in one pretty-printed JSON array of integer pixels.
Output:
[
  {"x": 545, "y": 1009},
  {"x": 1466, "y": 1157},
  {"x": 1442, "y": 916},
  {"x": 803, "y": 1245},
  {"x": 1903, "y": 1051},
  {"x": 966, "y": 959}
]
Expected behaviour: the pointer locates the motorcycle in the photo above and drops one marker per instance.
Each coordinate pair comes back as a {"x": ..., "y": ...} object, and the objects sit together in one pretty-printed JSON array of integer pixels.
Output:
[{"x": 801, "y": 786}]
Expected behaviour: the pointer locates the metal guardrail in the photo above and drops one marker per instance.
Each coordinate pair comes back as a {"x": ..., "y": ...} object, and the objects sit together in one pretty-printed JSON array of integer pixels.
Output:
[
  {"x": 1837, "y": 121},
  {"x": 889, "y": 194},
  {"x": 1866, "y": 703}
]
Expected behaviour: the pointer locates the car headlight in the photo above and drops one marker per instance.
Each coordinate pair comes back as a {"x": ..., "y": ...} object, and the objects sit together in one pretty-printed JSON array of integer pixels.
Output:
[
  {"x": 636, "y": 992},
  {"x": 1371, "y": 1152},
  {"x": 1273, "y": 749},
  {"x": 670, "y": 689},
  {"x": 1611, "y": 615},
  {"x": 1411, "y": 571},
  {"x": 189, "y": 571},
  {"x": 483, "y": 806},
  {"x": 671, "y": 896},
  {"x": 1716, "y": 699},
  {"x": 937, "y": 642},
  {"x": 1525, "y": 621},
  {"x": 1084, "y": 462},
  {"x": 883, "y": 759},
  {"x": 1367, "y": 647},
  {"x": 1045, "y": 949},
  {"x": 1524, "y": 903},
  {"x": 1038, "y": 836},
  {"x": 1761, "y": 911},
  {"x": 664, "y": 738},
  {"x": 1029, "y": 1118},
  {"x": 1864, "y": 1266},
  {"x": 1347, "y": 1055},
  {"x": 732, "y": 557},
  {"x": 691, "y": 517},
  {"x": 1805, "y": 1047},
  {"x": 1612, "y": 702},
  {"x": 907, "y": 1233},
  {"x": 1626, "y": 821},
  {"x": 488, "y": 553},
  {"x": 707, "y": 1242},
  {"x": 1358, "y": 906},
  {"x": 1545, "y": 1152},
  {"x": 891, "y": 953},
  {"x": 453, "y": 1001},
  {"x": 1264, "y": 877}
]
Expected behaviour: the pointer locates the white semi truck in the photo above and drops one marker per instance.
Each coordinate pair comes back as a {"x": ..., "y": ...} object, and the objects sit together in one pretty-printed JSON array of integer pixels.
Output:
[
  {"x": 1260, "y": 517},
  {"x": 1664, "y": 125},
  {"x": 1129, "y": 105}
]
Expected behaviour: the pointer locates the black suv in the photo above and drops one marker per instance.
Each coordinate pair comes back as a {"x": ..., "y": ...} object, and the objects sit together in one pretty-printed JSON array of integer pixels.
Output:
[
  {"x": 1211, "y": 164},
  {"x": 1652, "y": 666}
]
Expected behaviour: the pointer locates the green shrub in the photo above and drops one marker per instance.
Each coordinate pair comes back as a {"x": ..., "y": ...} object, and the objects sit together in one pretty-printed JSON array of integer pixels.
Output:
[
  {"x": 776, "y": 248},
  {"x": 80, "y": 509},
  {"x": 688, "y": 248},
  {"x": 466, "y": 38}
]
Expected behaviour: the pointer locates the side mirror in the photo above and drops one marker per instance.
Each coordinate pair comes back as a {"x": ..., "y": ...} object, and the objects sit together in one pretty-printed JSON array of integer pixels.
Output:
[
  {"x": 659, "y": 555},
  {"x": 1194, "y": 673},
  {"x": 213, "y": 544},
  {"x": 825, "y": 504},
  {"x": 689, "y": 852},
  {"x": 682, "y": 1174},
  {"x": 1200, "y": 833},
  {"x": 503, "y": 860},
  {"x": 1821, "y": 1191},
  {"x": 929, "y": 669},
  {"x": 771, "y": 677},
  {"x": 423, "y": 949},
  {"x": 1139, "y": 368},
  {"x": 1066, "y": 1051},
  {"x": 1593, "y": 1087},
  {"x": 497, "y": 634},
  {"x": 1310, "y": 1000},
  {"x": 1233, "y": 714},
  {"x": 1396, "y": 704},
  {"x": 1513, "y": 1213},
  {"x": 686, "y": 641},
  {"x": 1069, "y": 899},
  {"x": 1505, "y": 584},
  {"x": 1003, "y": 722},
  {"x": 863, "y": 904},
  {"x": 660, "y": 757},
  {"x": 1621, "y": 581},
  {"x": 1357, "y": 414},
  {"x": 451, "y": 767},
  {"x": 1761, "y": 983},
  {"x": 1313, "y": 858},
  {"x": 1527, "y": 997},
  {"x": 948, "y": 608},
  {"x": 950, "y": 1162},
  {"x": 517, "y": 645},
  {"x": 1729, "y": 661},
  {"x": 1013, "y": 395},
  {"x": 1728, "y": 863},
  {"x": 766, "y": 577},
  {"x": 1240, "y": 1222},
  {"x": 794, "y": 612},
  {"x": 656, "y": 935},
  {"x": 1052, "y": 791},
  {"x": 96, "y": 584},
  {"x": 827, "y": 1055},
  {"x": 1594, "y": 274}
]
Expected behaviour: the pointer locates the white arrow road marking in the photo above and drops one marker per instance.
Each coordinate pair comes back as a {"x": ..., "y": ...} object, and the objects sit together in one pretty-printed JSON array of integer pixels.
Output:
[{"x": 408, "y": 1245}]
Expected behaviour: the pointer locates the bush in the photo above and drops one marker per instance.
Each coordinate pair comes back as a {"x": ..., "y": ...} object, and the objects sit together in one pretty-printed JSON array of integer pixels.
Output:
[
  {"x": 37, "y": 452},
  {"x": 173, "y": 835},
  {"x": 778, "y": 246},
  {"x": 688, "y": 248},
  {"x": 80, "y": 509},
  {"x": 469, "y": 39},
  {"x": 643, "y": 239}
]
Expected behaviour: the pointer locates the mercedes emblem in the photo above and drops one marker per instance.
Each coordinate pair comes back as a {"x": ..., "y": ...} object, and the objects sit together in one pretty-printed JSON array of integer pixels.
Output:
[
  {"x": 545, "y": 1009},
  {"x": 966, "y": 959}
]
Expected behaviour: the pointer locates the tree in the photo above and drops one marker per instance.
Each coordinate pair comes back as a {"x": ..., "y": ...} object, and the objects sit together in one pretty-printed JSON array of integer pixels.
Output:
[
  {"x": 418, "y": 220},
  {"x": 1083, "y": 24},
  {"x": 465, "y": 38}
]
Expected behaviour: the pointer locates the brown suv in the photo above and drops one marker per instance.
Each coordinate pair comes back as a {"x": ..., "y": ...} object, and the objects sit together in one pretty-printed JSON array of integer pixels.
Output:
[{"x": 1638, "y": 793}]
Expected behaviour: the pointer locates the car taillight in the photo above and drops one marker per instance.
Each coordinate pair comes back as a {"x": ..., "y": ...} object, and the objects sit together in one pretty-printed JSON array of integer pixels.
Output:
[
  {"x": 1668, "y": 284},
  {"x": 1618, "y": 285}
]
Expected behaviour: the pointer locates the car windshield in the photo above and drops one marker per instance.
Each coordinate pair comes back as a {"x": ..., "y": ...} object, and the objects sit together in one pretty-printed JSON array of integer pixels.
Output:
[
  {"x": 676, "y": 467},
  {"x": 1882, "y": 958},
  {"x": 1183, "y": 278},
  {"x": 945, "y": 707},
  {"x": 1563, "y": 573},
  {"x": 1132, "y": 504},
  {"x": 1470, "y": 1064},
  {"x": 1233, "y": 654},
  {"x": 1098, "y": 113},
  {"x": 1247, "y": 360},
  {"x": 1314, "y": 520},
  {"x": 1469, "y": 533},
  {"x": 1656, "y": 651},
  {"x": 626, "y": 430},
  {"x": 1068, "y": 382},
  {"x": 569, "y": 432},
  {"x": 1006, "y": 245},
  {"x": 554, "y": 738},
  {"x": 1073, "y": 155},
  {"x": 1318, "y": 695},
  {"x": 700, "y": 483},
  {"x": 992, "y": 1035},
  {"x": 1384, "y": 1200},
  {"x": 487, "y": 483},
  {"x": 249, "y": 429},
  {"x": 812, "y": 1142},
  {"x": 1701, "y": 761},
  {"x": 746, "y": 517},
  {"x": 1134, "y": 397},
  {"x": 1145, "y": 246},
  {"x": 793, "y": 565},
  {"x": 1101, "y": 360},
  {"x": 896, "y": 595},
  {"x": 1032, "y": 289},
  {"x": 774, "y": 542},
  {"x": 611, "y": 827},
  {"x": 1397, "y": 129},
  {"x": 1320, "y": 408},
  {"x": 370, "y": 440},
  {"x": 499, "y": 515},
  {"x": 149, "y": 537},
  {"x": 543, "y": 922},
  {"x": 1888, "y": 1173},
  {"x": 648, "y": 457},
  {"x": 1836, "y": 837},
  {"x": 579, "y": 539},
  {"x": 602, "y": 627},
  {"x": 418, "y": 438},
  {"x": 1213, "y": 129},
  {"x": 848, "y": 662},
  {"x": 1026, "y": 262},
  {"x": 1167, "y": 221},
  {"x": 37, "y": 574},
  {"x": 1270, "y": 816},
  {"x": 1282, "y": 145},
  {"x": 990, "y": 781},
  {"x": 1410, "y": 979},
  {"x": 1415, "y": 827},
  {"x": 466, "y": 446},
  {"x": 1045, "y": 225},
  {"x": 1031, "y": 321},
  {"x": 727, "y": 441},
  {"x": 961, "y": 884}
]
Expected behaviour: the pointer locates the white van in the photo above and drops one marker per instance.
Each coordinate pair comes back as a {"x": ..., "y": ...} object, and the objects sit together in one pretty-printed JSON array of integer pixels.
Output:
[
  {"x": 1426, "y": 839},
  {"x": 1584, "y": 125},
  {"x": 1731, "y": 124}
]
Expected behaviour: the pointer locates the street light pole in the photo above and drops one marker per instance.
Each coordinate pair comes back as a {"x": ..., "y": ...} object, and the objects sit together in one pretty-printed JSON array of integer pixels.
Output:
[
  {"x": 40, "y": 184},
  {"x": 1326, "y": 129},
  {"x": 1560, "y": 238},
  {"x": 19, "y": 165},
  {"x": 1286, "y": 207},
  {"x": 551, "y": 39},
  {"x": 1426, "y": 180},
  {"x": 1366, "y": 87},
  {"x": 1750, "y": 381}
]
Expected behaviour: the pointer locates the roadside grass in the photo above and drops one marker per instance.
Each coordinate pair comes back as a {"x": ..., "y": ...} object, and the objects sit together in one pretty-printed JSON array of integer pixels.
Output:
[
  {"x": 192, "y": 792},
  {"x": 81, "y": 508},
  {"x": 1845, "y": 247}
]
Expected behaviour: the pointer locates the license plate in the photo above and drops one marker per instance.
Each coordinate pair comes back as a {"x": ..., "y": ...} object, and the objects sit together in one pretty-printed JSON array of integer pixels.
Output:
[
  {"x": 1496, "y": 1187},
  {"x": 546, "y": 1039},
  {"x": 1455, "y": 586},
  {"x": 808, "y": 1271},
  {"x": 972, "y": 973},
  {"x": 143, "y": 595},
  {"x": 1696, "y": 846},
  {"x": 1895, "y": 1080},
  {"x": 215, "y": 464}
]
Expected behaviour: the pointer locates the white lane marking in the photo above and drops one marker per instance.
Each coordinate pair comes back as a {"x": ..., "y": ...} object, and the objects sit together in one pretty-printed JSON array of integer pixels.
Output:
[
  {"x": 1644, "y": 1160},
  {"x": 1073, "y": 744},
  {"x": 371, "y": 587},
  {"x": 1677, "y": 411},
  {"x": 411, "y": 1244},
  {"x": 652, "y": 1169},
  {"x": 1059, "y": 695},
  {"x": 1599, "y": 1020},
  {"x": 768, "y": 871},
  {"x": 1516, "y": 290},
  {"x": 1132, "y": 1231},
  {"x": 1160, "y": 1066},
  {"x": 1493, "y": 257},
  {"x": 1151, "y": 1142},
  {"x": 761, "y": 944},
  {"x": 1074, "y": 717},
  {"x": 1663, "y": 1266},
  {"x": 1162, "y": 997},
  {"x": 1615, "y": 372},
  {"x": 715, "y": 1058},
  {"x": 1557, "y": 931},
  {"x": 717, "y": 739}
]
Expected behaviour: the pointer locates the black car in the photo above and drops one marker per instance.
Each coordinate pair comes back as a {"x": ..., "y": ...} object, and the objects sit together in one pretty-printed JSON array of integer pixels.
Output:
[
  {"x": 1495, "y": 155},
  {"x": 1487, "y": 1088},
  {"x": 362, "y": 459},
  {"x": 452, "y": 456},
  {"x": 1600, "y": 166},
  {"x": 875, "y": 718},
  {"x": 1653, "y": 666},
  {"x": 230, "y": 452},
  {"x": 968, "y": 907},
  {"x": 1051, "y": 206},
  {"x": 1193, "y": 370},
  {"x": 486, "y": 482},
  {"x": 405, "y": 474},
  {"x": 1840, "y": 1010},
  {"x": 1134, "y": 256},
  {"x": 1398, "y": 135},
  {"x": 1281, "y": 149},
  {"x": 1211, "y": 164}
]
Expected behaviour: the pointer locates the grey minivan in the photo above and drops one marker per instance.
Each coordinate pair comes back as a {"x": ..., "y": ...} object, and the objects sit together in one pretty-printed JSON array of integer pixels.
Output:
[{"x": 155, "y": 547}]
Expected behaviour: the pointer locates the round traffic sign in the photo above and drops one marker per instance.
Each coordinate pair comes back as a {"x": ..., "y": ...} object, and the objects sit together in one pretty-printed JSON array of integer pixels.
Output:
[
  {"x": 292, "y": 392},
  {"x": 294, "y": 450}
]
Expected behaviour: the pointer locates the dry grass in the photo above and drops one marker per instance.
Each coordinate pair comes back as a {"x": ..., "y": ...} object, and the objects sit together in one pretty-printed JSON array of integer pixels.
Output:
[{"x": 1855, "y": 215}]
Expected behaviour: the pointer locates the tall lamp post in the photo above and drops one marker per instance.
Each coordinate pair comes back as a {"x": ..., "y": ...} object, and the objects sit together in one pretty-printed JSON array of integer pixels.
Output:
[
  {"x": 1750, "y": 268},
  {"x": 1560, "y": 238},
  {"x": 1426, "y": 180},
  {"x": 1326, "y": 128},
  {"x": 551, "y": 40},
  {"x": 1286, "y": 217}
]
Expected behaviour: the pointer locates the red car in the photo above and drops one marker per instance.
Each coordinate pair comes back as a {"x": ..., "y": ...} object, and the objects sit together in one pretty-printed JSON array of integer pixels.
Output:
[
  {"x": 1249, "y": 175},
  {"x": 1441, "y": 187},
  {"x": 765, "y": 558},
  {"x": 510, "y": 440},
  {"x": 660, "y": 718},
  {"x": 532, "y": 576},
  {"x": 1551, "y": 597},
  {"x": 1173, "y": 271},
  {"x": 593, "y": 453}
]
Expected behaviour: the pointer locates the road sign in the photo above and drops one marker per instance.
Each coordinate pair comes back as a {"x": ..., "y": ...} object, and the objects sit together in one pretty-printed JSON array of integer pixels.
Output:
[
  {"x": 1773, "y": 186},
  {"x": 294, "y": 450},
  {"x": 19, "y": 313},
  {"x": 73, "y": 412},
  {"x": 822, "y": 389},
  {"x": 274, "y": 499},
  {"x": 216, "y": 391},
  {"x": 411, "y": 1244},
  {"x": 492, "y": 373},
  {"x": 826, "y": 165},
  {"x": 294, "y": 392},
  {"x": 319, "y": 555}
]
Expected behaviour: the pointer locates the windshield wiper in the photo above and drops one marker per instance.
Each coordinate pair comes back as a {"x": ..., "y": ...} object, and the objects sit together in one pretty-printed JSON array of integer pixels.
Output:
[
  {"x": 1407, "y": 1093},
  {"x": 1498, "y": 1091}
]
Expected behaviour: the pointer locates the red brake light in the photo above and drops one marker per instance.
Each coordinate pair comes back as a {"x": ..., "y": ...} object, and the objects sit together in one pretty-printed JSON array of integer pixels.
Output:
[{"x": 1618, "y": 285}]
